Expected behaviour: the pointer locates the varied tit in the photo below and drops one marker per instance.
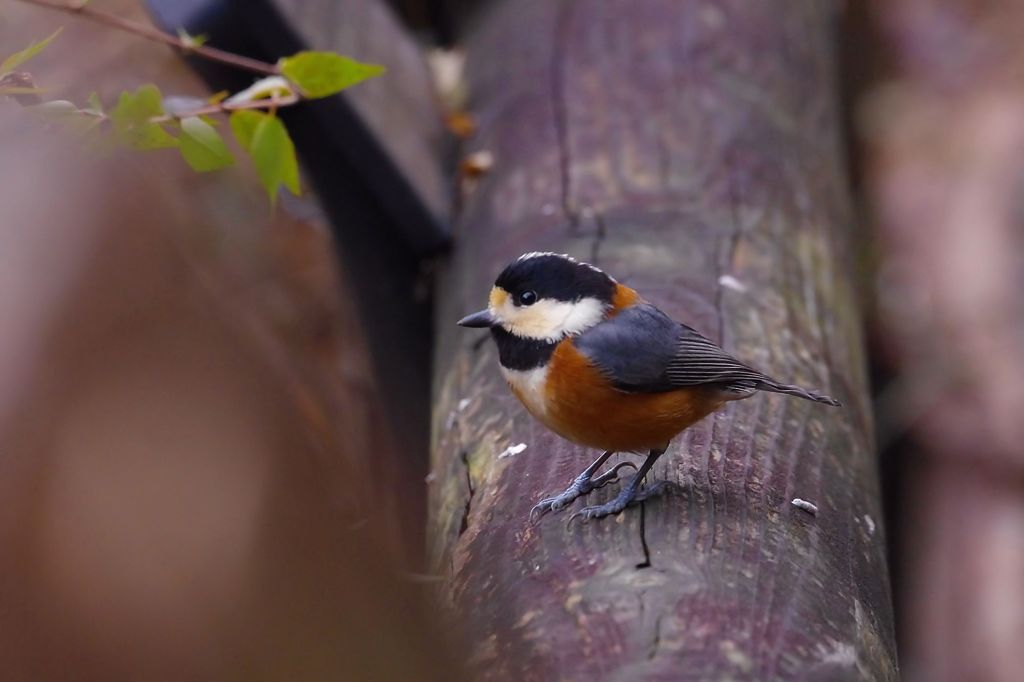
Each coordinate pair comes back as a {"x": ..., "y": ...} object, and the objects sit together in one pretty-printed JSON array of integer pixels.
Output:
[{"x": 604, "y": 368}]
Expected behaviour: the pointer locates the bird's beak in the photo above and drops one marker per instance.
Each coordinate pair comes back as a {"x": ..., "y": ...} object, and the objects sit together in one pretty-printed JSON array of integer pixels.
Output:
[{"x": 484, "y": 318}]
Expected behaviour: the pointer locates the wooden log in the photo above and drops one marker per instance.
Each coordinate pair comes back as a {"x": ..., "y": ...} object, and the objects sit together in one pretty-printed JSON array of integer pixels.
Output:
[{"x": 692, "y": 150}]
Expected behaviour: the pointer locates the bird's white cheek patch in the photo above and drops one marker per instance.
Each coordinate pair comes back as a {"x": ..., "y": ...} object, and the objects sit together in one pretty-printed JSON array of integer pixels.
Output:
[
  {"x": 528, "y": 385},
  {"x": 551, "y": 320}
]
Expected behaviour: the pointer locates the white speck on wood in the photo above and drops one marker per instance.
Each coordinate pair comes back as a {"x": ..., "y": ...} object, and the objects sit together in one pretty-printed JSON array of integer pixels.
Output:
[
  {"x": 840, "y": 654},
  {"x": 463, "y": 404},
  {"x": 808, "y": 507},
  {"x": 730, "y": 282},
  {"x": 870, "y": 523},
  {"x": 478, "y": 163},
  {"x": 512, "y": 450},
  {"x": 446, "y": 67}
]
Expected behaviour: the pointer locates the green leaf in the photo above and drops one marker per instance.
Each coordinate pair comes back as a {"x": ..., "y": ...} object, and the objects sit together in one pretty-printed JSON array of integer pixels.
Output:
[
  {"x": 202, "y": 147},
  {"x": 243, "y": 125},
  {"x": 147, "y": 137},
  {"x": 137, "y": 107},
  {"x": 133, "y": 119},
  {"x": 271, "y": 150},
  {"x": 320, "y": 74},
  {"x": 274, "y": 155},
  {"x": 267, "y": 141},
  {"x": 19, "y": 58}
]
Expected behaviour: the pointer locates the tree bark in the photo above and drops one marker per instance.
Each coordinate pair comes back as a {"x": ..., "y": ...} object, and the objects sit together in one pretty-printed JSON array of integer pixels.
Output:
[{"x": 692, "y": 151}]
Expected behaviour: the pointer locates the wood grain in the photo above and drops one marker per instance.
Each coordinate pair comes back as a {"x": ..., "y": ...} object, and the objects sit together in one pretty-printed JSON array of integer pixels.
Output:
[{"x": 692, "y": 151}]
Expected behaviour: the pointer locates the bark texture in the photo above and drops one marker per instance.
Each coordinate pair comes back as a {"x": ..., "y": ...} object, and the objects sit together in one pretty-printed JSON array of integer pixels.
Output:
[{"x": 691, "y": 150}]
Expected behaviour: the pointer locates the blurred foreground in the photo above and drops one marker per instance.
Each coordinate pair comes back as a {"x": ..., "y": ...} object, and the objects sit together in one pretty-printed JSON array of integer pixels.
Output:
[{"x": 193, "y": 467}]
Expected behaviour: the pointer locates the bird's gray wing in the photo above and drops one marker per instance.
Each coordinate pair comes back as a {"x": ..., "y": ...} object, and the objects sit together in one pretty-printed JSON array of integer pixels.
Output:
[{"x": 644, "y": 350}]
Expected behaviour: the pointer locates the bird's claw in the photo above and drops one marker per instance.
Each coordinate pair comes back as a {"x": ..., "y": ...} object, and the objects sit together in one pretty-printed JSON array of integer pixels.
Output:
[
  {"x": 581, "y": 486},
  {"x": 552, "y": 504},
  {"x": 609, "y": 476},
  {"x": 627, "y": 498}
]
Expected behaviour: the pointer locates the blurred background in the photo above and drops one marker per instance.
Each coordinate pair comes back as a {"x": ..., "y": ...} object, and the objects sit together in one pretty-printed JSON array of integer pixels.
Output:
[
  {"x": 199, "y": 477},
  {"x": 935, "y": 92}
]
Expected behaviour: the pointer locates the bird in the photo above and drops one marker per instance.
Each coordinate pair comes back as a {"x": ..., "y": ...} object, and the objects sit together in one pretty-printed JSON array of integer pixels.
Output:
[{"x": 601, "y": 366}]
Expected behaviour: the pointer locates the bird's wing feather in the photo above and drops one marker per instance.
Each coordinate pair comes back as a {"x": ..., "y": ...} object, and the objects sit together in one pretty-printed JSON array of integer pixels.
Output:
[{"x": 644, "y": 350}]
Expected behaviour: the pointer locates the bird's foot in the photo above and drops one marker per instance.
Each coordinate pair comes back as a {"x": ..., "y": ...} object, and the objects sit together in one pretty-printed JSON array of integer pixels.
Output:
[
  {"x": 629, "y": 496},
  {"x": 583, "y": 485}
]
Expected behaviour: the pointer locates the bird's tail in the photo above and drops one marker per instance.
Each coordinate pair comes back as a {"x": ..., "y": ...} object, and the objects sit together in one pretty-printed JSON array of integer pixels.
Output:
[{"x": 789, "y": 389}]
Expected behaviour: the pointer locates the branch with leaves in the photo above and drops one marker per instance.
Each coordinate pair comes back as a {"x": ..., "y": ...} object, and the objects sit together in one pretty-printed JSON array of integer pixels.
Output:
[{"x": 145, "y": 120}]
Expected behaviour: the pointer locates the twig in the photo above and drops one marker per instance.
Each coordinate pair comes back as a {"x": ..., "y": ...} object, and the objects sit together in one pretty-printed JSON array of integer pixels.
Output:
[
  {"x": 220, "y": 108},
  {"x": 156, "y": 35},
  {"x": 226, "y": 108}
]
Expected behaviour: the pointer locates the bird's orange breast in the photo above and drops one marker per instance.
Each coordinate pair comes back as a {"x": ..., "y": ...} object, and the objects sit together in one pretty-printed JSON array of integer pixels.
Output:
[{"x": 582, "y": 405}]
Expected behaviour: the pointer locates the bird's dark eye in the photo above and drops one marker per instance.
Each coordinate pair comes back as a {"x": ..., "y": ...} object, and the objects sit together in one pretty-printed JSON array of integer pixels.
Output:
[{"x": 527, "y": 298}]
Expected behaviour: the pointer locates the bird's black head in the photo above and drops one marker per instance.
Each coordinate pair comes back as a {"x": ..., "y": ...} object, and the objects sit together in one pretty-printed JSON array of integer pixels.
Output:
[
  {"x": 546, "y": 297},
  {"x": 554, "y": 277}
]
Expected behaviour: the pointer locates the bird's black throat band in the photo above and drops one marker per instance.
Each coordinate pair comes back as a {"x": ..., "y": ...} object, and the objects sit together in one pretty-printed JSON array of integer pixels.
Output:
[{"x": 521, "y": 354}]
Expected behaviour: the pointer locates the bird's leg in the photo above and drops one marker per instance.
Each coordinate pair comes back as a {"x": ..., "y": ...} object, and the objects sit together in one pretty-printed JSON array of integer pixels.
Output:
[
  {"x": 630, "y": 494},
  {"x": 582, "y": 485}
]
